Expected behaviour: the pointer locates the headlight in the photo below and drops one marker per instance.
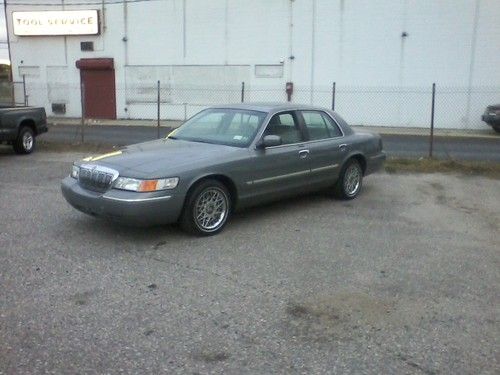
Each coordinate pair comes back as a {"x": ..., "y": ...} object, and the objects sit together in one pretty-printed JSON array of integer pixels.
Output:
[
  {"x": 75, "y": 172},
  {"x": 134, "y": 184}
]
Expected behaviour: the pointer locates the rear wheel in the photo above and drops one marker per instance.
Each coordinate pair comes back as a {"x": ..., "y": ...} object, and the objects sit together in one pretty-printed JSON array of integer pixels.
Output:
[
  {"x": 207, "y": 209},
  {"x": 350, "y": 180},
  {"x": 496, "y": 128},
  {"x": 25, "y": 142}
]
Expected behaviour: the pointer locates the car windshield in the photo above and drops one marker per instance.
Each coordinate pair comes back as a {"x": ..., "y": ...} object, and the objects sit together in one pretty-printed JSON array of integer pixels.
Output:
[{"x": 231, "y": 127}]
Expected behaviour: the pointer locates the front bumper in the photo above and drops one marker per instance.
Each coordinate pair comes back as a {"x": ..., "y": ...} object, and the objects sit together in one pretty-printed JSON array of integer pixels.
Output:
[{"x": 138, "y": 209}]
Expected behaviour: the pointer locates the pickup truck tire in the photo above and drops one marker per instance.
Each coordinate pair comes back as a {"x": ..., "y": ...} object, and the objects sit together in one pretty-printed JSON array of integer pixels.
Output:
[
  {"x": 496, "y": 128},
  {"x": 25, "y": 142}
]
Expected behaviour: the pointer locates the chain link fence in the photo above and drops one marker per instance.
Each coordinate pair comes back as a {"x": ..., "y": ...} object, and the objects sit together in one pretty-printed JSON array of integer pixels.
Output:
[
  {"x": 401, "y": 107},
  {"x": 175, "y": 102},
  {"x": 420, "y": 111}
]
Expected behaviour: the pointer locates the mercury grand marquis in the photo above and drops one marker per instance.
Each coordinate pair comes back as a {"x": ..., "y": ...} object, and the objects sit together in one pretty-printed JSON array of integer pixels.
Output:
[{"x": 225, "y": 158}]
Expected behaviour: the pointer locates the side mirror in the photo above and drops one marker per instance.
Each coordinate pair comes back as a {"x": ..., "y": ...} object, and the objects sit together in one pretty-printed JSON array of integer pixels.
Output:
[{"x": 269, "y": 141}]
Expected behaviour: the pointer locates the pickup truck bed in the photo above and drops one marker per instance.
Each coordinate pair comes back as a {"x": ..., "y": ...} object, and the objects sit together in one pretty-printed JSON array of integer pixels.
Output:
[{"x": 19, "y": 127}]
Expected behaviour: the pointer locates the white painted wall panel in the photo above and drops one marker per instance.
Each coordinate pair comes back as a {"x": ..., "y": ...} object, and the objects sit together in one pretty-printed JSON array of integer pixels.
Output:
[
  {"x": 301, "y": 43},
  {"x": 257, "y": 31},
  {"x": 205, "y": 32},
  {"x": 155, "y": 37},
  {"x": 371, "y": 43},
  {"x": 439, "y": 43},
  {"x": 58, "y": 90},
  {"x": 487, "y": 53},
  {"x": 382, "y": 78}
]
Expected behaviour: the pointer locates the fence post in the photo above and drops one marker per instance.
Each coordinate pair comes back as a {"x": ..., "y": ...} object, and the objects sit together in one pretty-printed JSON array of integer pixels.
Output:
[
  {"x": 24, "y": 91},
  {"x": 82, "y": 99},
  {"x": 333, "y": 96},
  {"x": 431, "y": 145},
  {"x": 158, "y": 114},
  {"x": 242, "y": 92}
]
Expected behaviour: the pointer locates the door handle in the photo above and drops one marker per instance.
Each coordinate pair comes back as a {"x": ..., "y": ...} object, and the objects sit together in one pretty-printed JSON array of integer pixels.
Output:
[
  {"x": 343, "y": 147},
  {"x": 303, "y": 154}
]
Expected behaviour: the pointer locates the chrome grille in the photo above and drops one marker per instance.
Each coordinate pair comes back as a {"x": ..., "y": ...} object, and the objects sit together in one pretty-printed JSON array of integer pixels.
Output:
[{"x": 96, "y": 178}]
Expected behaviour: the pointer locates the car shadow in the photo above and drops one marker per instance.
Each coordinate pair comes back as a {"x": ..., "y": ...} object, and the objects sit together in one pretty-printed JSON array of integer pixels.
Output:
[
  {"x": 245, "y": 220},
  {"x": 284, "y": 205}
]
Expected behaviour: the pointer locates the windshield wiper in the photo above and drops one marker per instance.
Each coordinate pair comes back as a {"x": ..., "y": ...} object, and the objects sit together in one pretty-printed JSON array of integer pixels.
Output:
[
  {"x": 203, "y": 141},
  {"x": 192, "y": 140}
]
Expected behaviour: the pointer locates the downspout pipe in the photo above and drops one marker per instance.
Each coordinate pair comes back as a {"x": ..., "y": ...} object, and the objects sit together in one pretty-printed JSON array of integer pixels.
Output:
[
  {"x": 313, "y": 48},
  {"x": 11, "y": 78}
]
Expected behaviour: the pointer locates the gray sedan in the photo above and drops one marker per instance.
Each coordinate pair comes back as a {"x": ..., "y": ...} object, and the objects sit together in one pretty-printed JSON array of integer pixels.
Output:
[{"x": 222, "y": 159}]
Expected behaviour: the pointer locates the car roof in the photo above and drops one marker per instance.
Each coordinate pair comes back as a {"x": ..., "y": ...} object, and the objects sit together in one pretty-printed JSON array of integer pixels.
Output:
[{"x": 269, "y": 107}]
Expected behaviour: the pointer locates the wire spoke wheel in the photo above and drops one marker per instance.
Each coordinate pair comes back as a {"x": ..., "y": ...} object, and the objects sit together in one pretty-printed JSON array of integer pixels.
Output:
[
  {"x": 211, "y": 209},
  {"x": 207, "y": 208},
  {"x": 352, "y": 179}
]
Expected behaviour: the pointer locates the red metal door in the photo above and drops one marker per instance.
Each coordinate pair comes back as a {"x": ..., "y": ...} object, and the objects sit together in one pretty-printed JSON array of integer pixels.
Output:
[{"x": 99, "y": 91}]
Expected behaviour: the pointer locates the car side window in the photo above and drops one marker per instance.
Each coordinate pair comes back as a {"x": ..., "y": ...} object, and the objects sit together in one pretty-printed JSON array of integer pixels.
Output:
[
  {"x": 332, "y": 126},
  {"x": 320, "y": 126},
  {"x": 284, "y": 125}
]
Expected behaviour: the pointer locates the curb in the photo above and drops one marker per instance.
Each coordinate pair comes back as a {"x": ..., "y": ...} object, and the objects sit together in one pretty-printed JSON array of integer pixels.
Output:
[{"x": 424, "y": 132}]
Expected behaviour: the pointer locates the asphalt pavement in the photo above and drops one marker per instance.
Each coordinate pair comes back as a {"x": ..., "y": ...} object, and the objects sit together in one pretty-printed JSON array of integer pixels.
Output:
[
  {"x": 402, "y": 280},
  {"x": 479, "y": 146}
]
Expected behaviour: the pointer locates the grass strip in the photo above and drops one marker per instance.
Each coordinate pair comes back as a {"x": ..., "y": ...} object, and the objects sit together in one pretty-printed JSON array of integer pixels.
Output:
[{"x": 426, "y": 165}]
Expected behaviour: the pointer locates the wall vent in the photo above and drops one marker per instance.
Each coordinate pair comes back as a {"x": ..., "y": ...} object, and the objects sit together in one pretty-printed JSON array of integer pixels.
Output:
[
  {"x": 87, "y": 46},
  {"x": 59, "y": 108}
]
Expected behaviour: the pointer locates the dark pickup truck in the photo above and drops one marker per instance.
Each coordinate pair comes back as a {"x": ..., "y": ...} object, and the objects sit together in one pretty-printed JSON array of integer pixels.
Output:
[
  {"x": 20, "y": 125},
  {"x": 491, "y": 116}
]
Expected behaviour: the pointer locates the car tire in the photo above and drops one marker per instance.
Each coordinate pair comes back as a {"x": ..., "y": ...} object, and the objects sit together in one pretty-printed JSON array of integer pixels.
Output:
[
  {"x": 207, "y": 209},
  {"x": 25, "y": 142},
  {"x": 496, "y": 128},
  {"x": 350, "y": 180}
]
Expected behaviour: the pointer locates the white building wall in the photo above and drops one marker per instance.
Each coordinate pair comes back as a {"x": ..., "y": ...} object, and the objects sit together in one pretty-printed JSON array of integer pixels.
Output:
[{"x": 382, "y": 78}]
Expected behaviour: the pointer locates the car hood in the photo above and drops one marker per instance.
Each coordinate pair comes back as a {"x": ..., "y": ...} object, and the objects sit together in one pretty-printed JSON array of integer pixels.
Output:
[{"x": 160, "y": 157}]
